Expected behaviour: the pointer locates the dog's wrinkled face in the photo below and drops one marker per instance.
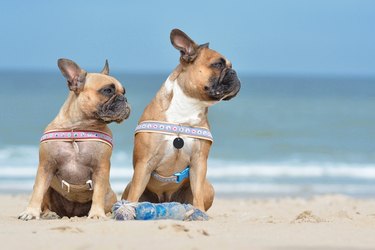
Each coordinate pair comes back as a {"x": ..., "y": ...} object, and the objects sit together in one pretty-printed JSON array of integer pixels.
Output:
[
  {"x": 99, "y": 95},
  {"x": 211, "y": 77},
  {"x": 104, "y": 98}
]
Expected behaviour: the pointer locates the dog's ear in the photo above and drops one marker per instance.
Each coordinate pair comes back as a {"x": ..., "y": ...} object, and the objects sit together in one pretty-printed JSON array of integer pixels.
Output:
[
  {"x": 73, "y": 73},
  {"x": 105, "y": 70},
  {"x": 205, "y": 45},
  {"x": 187, "y": 47}
]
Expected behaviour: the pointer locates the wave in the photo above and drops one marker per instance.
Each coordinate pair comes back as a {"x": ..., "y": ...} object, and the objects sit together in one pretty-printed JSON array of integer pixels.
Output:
[
  {"x": 289, "y": 169},
  {"x": 296, "y": 189},
  {"x": 19, "y": 155}
]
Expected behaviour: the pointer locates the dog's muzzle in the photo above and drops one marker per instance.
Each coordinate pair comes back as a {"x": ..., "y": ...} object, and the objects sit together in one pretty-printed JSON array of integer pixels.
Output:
[
  {"x": 225, "y": 87},
  {"x": 116, "y": 109}
]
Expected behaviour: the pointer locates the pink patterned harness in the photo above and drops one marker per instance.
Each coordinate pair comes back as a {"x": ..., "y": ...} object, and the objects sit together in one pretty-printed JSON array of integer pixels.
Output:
[{"x": 77, "y": 135}]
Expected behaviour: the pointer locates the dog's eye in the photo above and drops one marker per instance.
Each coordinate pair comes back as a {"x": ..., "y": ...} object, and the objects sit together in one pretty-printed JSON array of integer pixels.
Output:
[
  {"x": 218, "y": 65},
  {"x": 108, "y": 90}
]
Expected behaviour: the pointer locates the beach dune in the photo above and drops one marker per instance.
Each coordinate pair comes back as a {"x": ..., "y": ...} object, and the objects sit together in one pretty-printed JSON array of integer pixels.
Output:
[{"x": 321, "y": 222}]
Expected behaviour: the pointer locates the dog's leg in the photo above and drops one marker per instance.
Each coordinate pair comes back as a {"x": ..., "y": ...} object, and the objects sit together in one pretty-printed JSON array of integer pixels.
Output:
[
  {"x": 197, "y": 181},
  {"x": 46, "y": 204},
  {"x": 126, "y": 191},
  {"x": 101, "y": 187},
  {"x": 110, "y": 199},
  {"x": 184, "y": 194},
  {"x": 209, "y": 194},
  {"x": 139, "y": 182},
  {"x": 42, "y": 182}
]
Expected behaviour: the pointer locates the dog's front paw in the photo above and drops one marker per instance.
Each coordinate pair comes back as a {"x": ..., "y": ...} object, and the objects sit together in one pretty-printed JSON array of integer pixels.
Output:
[
  {"x": 30, "y": 213},
  {"x": 97, "y": 214}
]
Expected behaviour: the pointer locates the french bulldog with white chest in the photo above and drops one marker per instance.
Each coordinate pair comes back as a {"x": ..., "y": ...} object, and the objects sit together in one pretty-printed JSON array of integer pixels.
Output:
[{"x": 173, "y": 142}]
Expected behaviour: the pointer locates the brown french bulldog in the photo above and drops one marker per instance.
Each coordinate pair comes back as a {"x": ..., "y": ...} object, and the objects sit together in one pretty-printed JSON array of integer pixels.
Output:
[
  {"x": 203, "y": 78},
  {"x": 73, "y": 174}
]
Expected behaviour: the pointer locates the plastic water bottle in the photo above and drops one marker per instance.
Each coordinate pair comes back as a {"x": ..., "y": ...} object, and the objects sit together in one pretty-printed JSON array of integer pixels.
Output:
[
  {"x": 158, "y": 211},
  {"x": 124, "y": 210}
]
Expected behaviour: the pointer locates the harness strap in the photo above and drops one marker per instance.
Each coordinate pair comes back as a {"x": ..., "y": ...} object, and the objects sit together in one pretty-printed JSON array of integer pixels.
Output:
[
  {"x": 77, "y": 135},
  {"x": 174, "y": 129},
  {"x": 175, "y": 178},
  {"x": 73, "y": 192}
]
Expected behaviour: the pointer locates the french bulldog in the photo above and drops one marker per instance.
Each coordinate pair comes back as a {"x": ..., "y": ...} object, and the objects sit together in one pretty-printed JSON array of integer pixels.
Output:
[
  {"x": 203, "y": 78},
  {"x": 73, "y": 173}
]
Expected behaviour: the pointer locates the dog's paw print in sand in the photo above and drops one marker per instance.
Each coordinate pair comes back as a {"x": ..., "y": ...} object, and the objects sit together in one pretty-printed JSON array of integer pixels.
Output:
[
  {"x": 180, "y": 228},
  {"x": 67, "y": 229},
  {"x": 204, "y": 232},
  {"x": 307, "y": 217}
]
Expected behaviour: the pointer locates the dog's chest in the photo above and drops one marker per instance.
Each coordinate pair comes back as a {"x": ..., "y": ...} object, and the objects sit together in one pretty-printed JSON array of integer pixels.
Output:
[
  {"x": 75, "y": 161},
  {"x": 174, "y": 160}
]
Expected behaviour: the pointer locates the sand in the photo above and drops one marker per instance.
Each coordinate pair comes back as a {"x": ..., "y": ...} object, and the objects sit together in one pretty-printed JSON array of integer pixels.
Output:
[{"x": 322, "y": 222}]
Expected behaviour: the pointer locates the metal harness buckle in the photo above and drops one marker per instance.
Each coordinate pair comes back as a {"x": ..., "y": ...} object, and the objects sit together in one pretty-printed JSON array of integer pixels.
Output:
[
  {"x": 64, "y": 183},
  {"x": 89, "y": 183}
]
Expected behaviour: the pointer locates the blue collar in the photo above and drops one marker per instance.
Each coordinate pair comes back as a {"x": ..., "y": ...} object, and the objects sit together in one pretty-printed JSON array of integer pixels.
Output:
[{"x": 175, "y": 178}]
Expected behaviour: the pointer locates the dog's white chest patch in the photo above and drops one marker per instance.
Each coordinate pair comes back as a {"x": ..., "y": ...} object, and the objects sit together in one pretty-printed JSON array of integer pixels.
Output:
[
  {"x": 184, "y": 153},
  {"x": 183, "y": 109}
]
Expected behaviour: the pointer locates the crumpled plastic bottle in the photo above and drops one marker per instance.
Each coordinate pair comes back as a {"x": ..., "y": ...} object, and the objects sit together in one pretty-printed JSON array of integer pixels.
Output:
[{"x": 123, "y": 210}]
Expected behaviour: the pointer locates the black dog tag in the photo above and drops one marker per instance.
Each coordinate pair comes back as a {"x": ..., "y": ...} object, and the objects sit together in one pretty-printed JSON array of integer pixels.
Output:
[{"x": 178, "y": 143}]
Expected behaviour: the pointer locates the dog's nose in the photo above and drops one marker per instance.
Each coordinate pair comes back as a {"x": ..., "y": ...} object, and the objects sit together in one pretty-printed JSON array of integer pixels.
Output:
[
  {"x": 121, "y": 98},
  {"x": 231, "y": 72}
]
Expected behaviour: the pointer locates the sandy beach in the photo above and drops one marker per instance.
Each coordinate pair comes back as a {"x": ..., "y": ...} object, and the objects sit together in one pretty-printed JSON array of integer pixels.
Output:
[{"x": 321, "y": 222}]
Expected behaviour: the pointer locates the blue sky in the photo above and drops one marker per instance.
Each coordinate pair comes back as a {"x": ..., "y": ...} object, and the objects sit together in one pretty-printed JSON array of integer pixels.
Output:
[{"x": 262, "y": 37}]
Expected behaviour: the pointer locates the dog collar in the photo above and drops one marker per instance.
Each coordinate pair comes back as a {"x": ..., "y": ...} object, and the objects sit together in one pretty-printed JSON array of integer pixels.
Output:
[
  {"x": 174, "y": 129},
  {"x": 77, "y": 135},
  {"x": 175, "y": 178}
]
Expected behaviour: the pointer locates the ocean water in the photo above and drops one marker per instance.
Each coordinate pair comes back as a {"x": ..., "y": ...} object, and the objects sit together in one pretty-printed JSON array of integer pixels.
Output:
[{"x": 283, "y": 135}]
